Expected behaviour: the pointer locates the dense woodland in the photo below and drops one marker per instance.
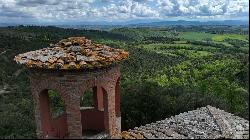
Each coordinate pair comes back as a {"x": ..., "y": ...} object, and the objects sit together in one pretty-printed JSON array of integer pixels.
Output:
[{"x": 170, "y": 70}]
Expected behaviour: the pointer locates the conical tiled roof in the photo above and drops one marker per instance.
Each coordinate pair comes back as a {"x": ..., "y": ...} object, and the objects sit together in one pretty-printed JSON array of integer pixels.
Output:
[{"x": 72, "y": 53}]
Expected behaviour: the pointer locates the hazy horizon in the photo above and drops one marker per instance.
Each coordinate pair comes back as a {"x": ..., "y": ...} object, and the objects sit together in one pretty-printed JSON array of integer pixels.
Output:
[{"x": 78, "y": 11}]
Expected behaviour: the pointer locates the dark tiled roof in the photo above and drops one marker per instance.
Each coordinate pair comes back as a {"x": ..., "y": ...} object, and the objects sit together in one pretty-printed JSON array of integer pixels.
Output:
[
  {"x": 203, "y": 123},
  {"x": 72, "y": 53}
]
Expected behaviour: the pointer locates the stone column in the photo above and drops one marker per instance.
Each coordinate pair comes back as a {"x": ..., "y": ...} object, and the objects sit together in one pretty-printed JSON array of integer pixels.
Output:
[
  {"x": 73, "y": 113},
  {"x": 45, "y": 113},
  {"x": 35, "y": 90},
  {"x": 109, "y": 111},
  {"x": 98, "y": 98},
  {"x": 117, "y": 105},
  {"x": 35, "y": 95}
]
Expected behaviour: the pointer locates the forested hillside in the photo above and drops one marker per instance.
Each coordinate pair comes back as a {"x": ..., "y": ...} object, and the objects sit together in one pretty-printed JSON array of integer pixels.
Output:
[{"x": 170, "y": 70}]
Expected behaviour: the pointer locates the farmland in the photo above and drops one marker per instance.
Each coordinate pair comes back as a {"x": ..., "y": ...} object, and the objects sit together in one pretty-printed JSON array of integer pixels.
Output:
[
  {"x": 220, "y": 38},
  {"x": 196, "y": 35},
  {"x": 170, "y": 70}
]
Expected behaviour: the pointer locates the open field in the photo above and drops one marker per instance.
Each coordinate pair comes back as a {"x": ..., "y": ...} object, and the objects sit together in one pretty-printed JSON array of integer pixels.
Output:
[
  {"x": 196, "y": 35},
  {"x": 223, "y": 37},
  {"x": 170, "y": 70}
]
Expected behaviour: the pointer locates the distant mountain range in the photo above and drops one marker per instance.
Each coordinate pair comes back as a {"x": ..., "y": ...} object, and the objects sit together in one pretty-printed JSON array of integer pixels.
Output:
[
  {"x": 133, "y": 23},
  {"x": 184, "y": 22}
]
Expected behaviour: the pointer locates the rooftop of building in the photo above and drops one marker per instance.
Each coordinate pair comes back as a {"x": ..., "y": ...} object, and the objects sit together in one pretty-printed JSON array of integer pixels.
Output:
[
  {"x": 204, "y": 123},
  {"x": 72, "y": 53}
]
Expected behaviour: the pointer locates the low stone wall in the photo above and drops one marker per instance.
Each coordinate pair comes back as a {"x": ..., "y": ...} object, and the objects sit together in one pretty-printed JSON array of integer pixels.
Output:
[
  {"x": 59, "y": 127},
  {"x": 92, "y": 119}
]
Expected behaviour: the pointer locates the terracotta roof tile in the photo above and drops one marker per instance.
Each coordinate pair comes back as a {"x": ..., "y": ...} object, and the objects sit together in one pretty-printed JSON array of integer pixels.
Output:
[
  {"x": 204, "y": 123},
  {"x": 72, "y": 53}
]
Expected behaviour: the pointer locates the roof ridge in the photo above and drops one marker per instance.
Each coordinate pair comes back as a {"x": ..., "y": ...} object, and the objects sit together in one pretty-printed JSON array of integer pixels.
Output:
[
  {"x": 211, "y": 113},
  {"x": 222, "y": 119},
  {"x": 205, "y": 122}
]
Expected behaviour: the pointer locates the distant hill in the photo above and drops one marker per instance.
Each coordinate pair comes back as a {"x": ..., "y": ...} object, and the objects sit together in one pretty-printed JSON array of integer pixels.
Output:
[
  {"x": 105, "y": 25},
  {"x": 184, "y": 22}
]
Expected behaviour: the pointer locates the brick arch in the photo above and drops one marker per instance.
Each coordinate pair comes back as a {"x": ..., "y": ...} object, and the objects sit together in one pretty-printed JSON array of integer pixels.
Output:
[
  {"x": 70, "y": 86},
  {"x": 84, "y": 86},
  {"x": 51, "y": 127},
  {"x": 93, "y": 118},
  {"x": 47, "y": 85},
  {"x": 108, "y": 83}
]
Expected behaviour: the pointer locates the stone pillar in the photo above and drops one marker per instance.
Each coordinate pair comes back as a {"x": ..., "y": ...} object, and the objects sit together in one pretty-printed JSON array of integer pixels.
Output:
[
  {"x": 73, "y": 113},
  {"x": 110, "y": 102},
  {"x": 117, "y": 105},
  {"x": 98, "y": 98},
  {"x": 109, "y": 111},
  {"x": 117, "y": 98},
  {"x": 36, "y": 102},
  {"x": 41, "y": 107},
  {"x": 45, "y": 113}
]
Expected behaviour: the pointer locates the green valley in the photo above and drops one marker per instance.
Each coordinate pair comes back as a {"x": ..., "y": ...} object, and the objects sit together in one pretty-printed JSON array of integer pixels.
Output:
[{"x": 170, "y": 70}]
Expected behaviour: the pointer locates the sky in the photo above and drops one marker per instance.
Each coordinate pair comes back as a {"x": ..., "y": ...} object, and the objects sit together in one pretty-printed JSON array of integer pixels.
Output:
[{"x": 41, "y": 11}]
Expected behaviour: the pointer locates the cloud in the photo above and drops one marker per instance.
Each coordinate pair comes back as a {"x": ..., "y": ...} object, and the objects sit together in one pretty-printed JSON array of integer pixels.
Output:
[
  {"x": 11, "y": 13},
  {"x": 199, "y": 8},
  {"x": 82, "y": 10},
  {"x": 107, "y": 0},
  {"x": 37, "y": 2},
  {"x": 140, "y": 0},
  {"x": 127, "y": 9}
]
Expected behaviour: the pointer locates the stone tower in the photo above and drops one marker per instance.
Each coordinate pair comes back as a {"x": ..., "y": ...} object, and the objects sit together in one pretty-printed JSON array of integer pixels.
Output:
[{"x": 70, "y": 67}]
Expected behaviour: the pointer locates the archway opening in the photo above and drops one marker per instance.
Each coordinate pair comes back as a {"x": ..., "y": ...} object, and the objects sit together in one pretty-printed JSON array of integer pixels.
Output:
[
  {"x": 53, "y": 116},
  {"x": 87, "y": 99},
  {"x": 92, "y": 114},
  {"x": 56, "y": 104}
]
